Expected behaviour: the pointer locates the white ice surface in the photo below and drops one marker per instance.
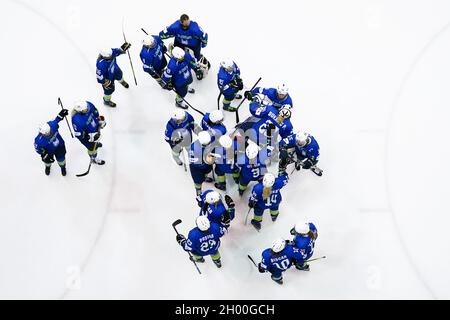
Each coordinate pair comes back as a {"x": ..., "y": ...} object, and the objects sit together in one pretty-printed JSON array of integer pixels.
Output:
[{"x": 370, "y": 79}]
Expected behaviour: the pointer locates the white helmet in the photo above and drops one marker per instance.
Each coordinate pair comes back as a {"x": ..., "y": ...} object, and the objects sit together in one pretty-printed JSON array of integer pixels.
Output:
[
  {"x": 204, "y": 138},
  {"x": 212, "y": 197},
  {"x": 226, "y": 142},
  {"x": 149, "y": 41},
  {"x": 302, "y": 227},
  {"x": 278, "y": 245},
  {"x": 81, "y": 106},
  {"x": 178, "y": 53},
  {"x": 179, "y": 115},
  {"x": 268, "y": 180},
  {"x": 282, "y": 89},
  {"x": 301, "y": 138},
  {"x": 216, "y": 116},
  {"x": 227, "y": 64},
  {"x": 45, "y": 129},
  {"x": 106, "y": 53},
  {"x": 203, "y": 223},
  {"x": 252, "y": 151}
]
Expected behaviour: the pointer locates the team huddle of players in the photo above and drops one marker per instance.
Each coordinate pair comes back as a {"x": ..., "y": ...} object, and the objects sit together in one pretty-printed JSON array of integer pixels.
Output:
[{"x": 243, "y": 154}]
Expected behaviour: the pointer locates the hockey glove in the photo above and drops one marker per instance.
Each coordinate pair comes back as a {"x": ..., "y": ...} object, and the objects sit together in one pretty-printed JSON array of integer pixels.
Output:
[
  {"x": 248, "y": 95},
  {"x": 251, "y": 204},
  {"x": 177, "y": 140},
  {"x": 199, "y": 73},
  {"x": 107, "y": 84},
  {"x": 260, "y": 268},
  {"x": 63, "y": 113},
  {"x": 47, "y": 158},
  {"x": 229, "y": 201},
  {"x": 181, "y": 239},
  {"x": 94, "y": 137},
  {"x": 293, "y": 232},
  {"x": 125, "y": 46},
  {"x": 101, "y": 122},
  {"x": 240, "y": 84}
]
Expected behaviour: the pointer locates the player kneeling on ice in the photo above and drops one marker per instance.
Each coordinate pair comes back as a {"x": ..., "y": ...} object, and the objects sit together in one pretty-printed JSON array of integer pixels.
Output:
[
  {"x": 201, "y": 160},
  {"x": 213, "y": 122},
  {"x": 178, "y": 132},
  {"x": 49, "y": 143},
  {"x": 267, "y": 195},
  {"x": 229, "y": 82},
  {"x": 278, "y": 259},
  {"x": 204, "y": 240},
  {"x": 252, "y": 166},
  {"x": 153, "y": 58},
  {"x": 189, "y": 36},
  {"x": 213, "y": 207},
  {"x": 306, "y": 150},
  {"x": 225, "y": 162},
  {"x": 87, "y": 123},
  {"x": 178, "y": 75},
  {"x": 278, "y": 97},
  {"x": 305, "y": 235},
  {"x": 108, "y": 72}
]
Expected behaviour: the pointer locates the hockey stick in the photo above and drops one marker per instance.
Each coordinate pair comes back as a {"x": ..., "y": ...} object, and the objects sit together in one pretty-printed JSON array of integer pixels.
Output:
[
  {"x": 90, "y": 164},
  {"x": 128, "y": 51},
  {"x": 184, "y": 160},
  {"x": 253, "y": 261},
  {"x": 322, "y": 257},
  {"x": 218, "y": 100},
  {"x": 246, "y": 216},
  {"x": 67, "y": 121},
  {"x": 237, "y": 108},
  {"x": 174, "y": 225}
]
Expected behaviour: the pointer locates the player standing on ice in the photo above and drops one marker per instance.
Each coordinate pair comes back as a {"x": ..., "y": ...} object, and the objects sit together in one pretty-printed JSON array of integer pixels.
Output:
[
  {"x": 225, "y": 162},
  {"x": 306, "y": 150},
  {"x": 278, "y": 97},
  {"x": 49, "y": 143},
  {"x": 201, "y": 160},
  {"x": 178, "y": 132},
  {"x": 278, "y": 259},
  {"x": 153, "y": 58},
  {"x": 87, "y": 124},
  {"x": 252, "y": 167},
  {"x": 203, "y": 240},
  {"x": 213, "y": 122},
  {"x": 267, "y": 195},
  {"x": 305, "y": 236},
  {"x": 229, "y": 82},
  {"x": 108, "y": 72},
  {"x": 178, "y": 75},
  {"x": 188, "y": 35},
  {"x": 213, "y": 207}
]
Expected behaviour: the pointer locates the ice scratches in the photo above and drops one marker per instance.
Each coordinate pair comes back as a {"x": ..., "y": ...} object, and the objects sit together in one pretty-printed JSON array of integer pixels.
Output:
[{"x": 388, "y": 133}]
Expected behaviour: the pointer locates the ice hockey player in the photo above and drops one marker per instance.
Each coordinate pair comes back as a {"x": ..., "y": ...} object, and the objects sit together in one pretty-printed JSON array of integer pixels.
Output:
[
  {"x": 87, "y": 124},
  {"x": 50, "y": 145},
  {"x": 252, "y": 166},
  {"x": 108, "y": 71},
  {"x": 229, "y": 82},
  {"x": 306, "y": 150},
  {"x": 188, "y": 35},
  {"x": 305, "y": 236},
  {"x": 278, "y": 259},
  {"x": 201, "y": 160},
  {"x": 279, "y": 97},
  {"x": 178, "y": 75},
  {"x": 225, "y": 162},
  {"x": 203, "y": 240},
  {"x": 213, "y": 122},
  {"x": 213, "y": 207},
  {"x": 153, "y": 58},
  {"x": 178, "y": 132},
  {"x": 267, "y": 195}
]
